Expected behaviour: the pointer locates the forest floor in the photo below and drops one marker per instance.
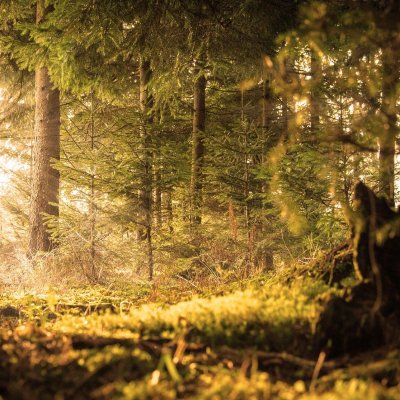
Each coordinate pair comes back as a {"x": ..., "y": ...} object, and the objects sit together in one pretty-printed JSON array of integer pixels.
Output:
[{"x": 251, "y": 340}]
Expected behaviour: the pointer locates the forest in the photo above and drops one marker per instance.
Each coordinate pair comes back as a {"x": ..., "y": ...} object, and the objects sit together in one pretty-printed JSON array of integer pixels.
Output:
[{"x": 199, "y": 199}]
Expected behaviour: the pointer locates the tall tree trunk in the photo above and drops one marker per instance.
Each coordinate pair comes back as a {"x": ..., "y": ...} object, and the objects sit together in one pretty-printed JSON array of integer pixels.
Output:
[
  {"x": 145, "y": 193},
  {"x": 233, "y": 228},
  {"x": 158, "y": 192},
  {"x": 387, "y": 140},
  {"x": 267, "y": 255},
  {"x": 314, "y": 95},
  {"x": 246, "y": 192},
  {"x": 288, "y": 103},
  {"x": 46, "y": 147},
  {"x": 199, "y": 123},
  {"x": 246, "y": 180},
  {"x": 93, "y": 273},
  {"x": 266, "y": 106},
  {"x": 169, "y": 210}
]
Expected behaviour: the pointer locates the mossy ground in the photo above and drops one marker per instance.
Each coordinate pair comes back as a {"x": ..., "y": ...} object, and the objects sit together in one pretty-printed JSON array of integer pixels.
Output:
[{"x": 254, "y": 341}]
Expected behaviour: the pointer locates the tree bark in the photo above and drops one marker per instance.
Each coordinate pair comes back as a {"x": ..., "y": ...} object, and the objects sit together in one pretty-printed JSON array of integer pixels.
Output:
[
  {"x": 267, "y": 256},
  {"x": 266, "y": 105},
  {"x": 199, "y": 122},
  {"x": 145, "y": 192},
  {"x": 233, "y": 228},
  {"x": 285, "y": 106},
  {"x": 387, "y": 140},
  {"x": 169, "y": 210},
  {"x": 314, "y": 95},
  {"x": 46, "y": 148},
  {"x": 158, "y": 193},
  {"x": 93, "y": 273}
]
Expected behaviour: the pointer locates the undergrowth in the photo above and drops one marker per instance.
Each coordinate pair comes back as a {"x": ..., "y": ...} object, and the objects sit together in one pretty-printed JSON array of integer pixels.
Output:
[{"x": 251, "y": 340}]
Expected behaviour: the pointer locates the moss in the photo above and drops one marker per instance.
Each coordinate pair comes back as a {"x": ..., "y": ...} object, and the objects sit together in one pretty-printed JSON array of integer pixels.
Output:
[
  {"x": 208, "y": 347},
  {"x": 268, "y": 318}
]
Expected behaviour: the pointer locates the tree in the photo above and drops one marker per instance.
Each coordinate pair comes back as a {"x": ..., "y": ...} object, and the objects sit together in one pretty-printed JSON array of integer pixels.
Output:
[
  {"x": 145, "y": 215},
  {"x": 46, "y": 150},
  {"x": 390, "y": 81},
  {"x": 199, "y": 125},
  {"x": 156, "y": 166}
]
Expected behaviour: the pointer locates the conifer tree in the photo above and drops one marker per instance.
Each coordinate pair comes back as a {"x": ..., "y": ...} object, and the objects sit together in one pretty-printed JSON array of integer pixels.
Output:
[
  {"x": 145, "y": 216},
  {"x": 199, "y": 120},
  {"x": 46, "y": 150}
]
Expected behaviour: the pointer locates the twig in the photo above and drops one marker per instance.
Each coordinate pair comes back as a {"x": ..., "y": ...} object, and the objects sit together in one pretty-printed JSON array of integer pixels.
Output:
[
  {"x": 317, "y": 370},
  {"x": 189, "y": 282}
]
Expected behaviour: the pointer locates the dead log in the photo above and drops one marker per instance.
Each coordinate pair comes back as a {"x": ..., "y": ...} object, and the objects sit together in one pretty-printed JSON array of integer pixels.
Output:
[
  {"x": 376, "y": 242},
  {"x": 368, "y": 314},
  {"x": 333, "y": 266}
]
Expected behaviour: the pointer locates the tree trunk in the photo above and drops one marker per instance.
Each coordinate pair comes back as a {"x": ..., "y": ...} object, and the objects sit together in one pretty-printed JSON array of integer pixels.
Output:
[
  {"x": 267, "y": 256},
  {"x": 266, "y": 106},
  {"x": 169, "y": 210},
  {"x": 145, "y": 192},
  {"x": 93, "y": 273},
  {"x": 158, "y": 194},
  {"x": 233, "y": 227},
  {"x": 285, "y": 106},
  {"x": 46, "y": 148},
  {"x": 246, "y": 189},
  {"x": 387, "y": 140},
  {"x": 199, "y": 120},
  {"x": 314, "y": 95}
]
